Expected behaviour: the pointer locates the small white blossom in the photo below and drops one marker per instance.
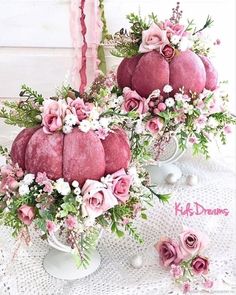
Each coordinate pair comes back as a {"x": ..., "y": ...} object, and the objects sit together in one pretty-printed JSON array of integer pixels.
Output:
[
  {"x": 212, "y": 122},
  {"x": 139, "y": 128},
  {"x": 94, "y": 124},
  {"x": 77, "y": 191},
  {"x": 62, "y": 187},
  {"x": 70, "y": 120},
  {"x": 132, "y": 171},
  {"x": 170, "y": 102},
  {"x": 79, "y": 198},
  {"x": 75, "y": 183},
  {"x": 85, "y": 126},
  {"x": 23, "y": 189},
  {"x": 28, "y": 179},
  {"x": 188, "y": 108},
  {"x": 179, "y": 97},
  {"x": 94, "y": 114},
  {"x": 67, "y": 129},
  {"x": 185, "y": 44},
  {"x": 167, "y": 88},
  {"x": 175, "y": 39},
  {"x": 107, "y": 180},
  {"x": 104, "y": 122}
]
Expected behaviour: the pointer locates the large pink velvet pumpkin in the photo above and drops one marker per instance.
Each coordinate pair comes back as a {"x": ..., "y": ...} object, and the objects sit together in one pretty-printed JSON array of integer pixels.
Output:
[
  {"x": 75, "y": 156},
  {"x": 150, "y": 71}
]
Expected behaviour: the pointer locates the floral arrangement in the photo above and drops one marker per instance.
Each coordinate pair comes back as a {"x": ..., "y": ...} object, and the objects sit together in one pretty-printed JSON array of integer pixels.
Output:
[
  {"x": 187, "y": 100},
  {"x": 185, "y": 259},
  {"x": 79, "y": 210}
]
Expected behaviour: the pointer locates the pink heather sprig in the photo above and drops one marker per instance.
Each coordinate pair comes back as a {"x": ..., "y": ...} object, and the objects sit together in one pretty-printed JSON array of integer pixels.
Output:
[
  {"x": 184, "y": 257},
  {"x": 176, "y": 14}
]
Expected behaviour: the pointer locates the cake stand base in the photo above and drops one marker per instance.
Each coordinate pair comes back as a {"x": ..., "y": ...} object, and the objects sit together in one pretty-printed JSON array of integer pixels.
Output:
[
  {"x": 159, "y": 173},
  {"x": 61, "y": 265}
]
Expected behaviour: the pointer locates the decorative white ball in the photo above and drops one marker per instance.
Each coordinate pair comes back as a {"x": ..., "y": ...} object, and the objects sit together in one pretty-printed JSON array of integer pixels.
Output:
[
  {"x": 192, "y": 180},
  {"x": 136, "y": 261},
  {"x": 171, "y": 178}
]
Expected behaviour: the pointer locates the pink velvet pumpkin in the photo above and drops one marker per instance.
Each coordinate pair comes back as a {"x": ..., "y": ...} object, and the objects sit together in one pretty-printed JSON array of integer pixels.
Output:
[
  {"x": 75, "y": 156},
  {"x": 150, "y": 71}
]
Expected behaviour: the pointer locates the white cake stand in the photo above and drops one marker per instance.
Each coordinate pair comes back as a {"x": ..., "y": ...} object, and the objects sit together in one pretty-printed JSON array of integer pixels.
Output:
[{"x": 60, "y": 263}]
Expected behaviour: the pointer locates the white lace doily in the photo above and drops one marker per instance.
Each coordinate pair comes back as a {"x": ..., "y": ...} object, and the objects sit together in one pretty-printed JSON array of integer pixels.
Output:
[{"x": 216, "y": 189}]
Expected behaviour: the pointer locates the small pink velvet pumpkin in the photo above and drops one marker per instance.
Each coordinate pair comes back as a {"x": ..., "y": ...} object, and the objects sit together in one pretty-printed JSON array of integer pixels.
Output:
[
  {"x": 75, "y": 156},
  {"x": 150, "y": 71}
]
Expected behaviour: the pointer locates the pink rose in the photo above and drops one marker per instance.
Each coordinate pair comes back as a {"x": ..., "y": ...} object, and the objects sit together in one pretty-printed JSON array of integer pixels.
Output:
[
  {"x": 121, "y": 184},
  {"x": 26, "y": 214},
  {"x": 169, "y": 252},
  {"x": 80, "y": 108},
  {"x": 153, "y": 38},
  {"x": 8, "y": 183},
  {"x": 71, "y": 222},
  {"x": 167, "y": 51},
  {"x": 134, "y": 102},
  {"x": 53, "y": 115},
  {"x": 175, "y": 29},
  {"x": 97, "y": 199},
  {"x": 154, "y": 125},
  {"x": 192, "y": 242},
  {"x": 200, "y": 265}
]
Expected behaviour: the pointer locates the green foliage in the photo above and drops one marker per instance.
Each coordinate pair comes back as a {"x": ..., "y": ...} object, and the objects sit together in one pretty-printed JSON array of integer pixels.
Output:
[
  {"x": 140, "y": 146},
  {"x": 4, "y": 151},
  {"x": 22, "y": 114},
  {"x": 28, "y": 92},
  {"x": 209, "y": 21},
  {"x": 133, "y": 233},
  {"x": 85, "y": 246},
  {"x": 126, "y": 49},
  {"x": 68, "y": 206},
  {"x": 164, "y": 198}
]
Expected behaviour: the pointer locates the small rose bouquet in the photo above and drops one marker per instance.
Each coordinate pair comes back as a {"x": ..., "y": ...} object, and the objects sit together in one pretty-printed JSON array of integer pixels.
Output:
[{"x": 185, "y": 259}]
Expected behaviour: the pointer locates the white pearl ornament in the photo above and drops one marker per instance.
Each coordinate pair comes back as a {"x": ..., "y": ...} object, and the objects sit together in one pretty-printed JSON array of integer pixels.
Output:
[
  {"x": 136, "y": 261},
  {"x": 192, "y": 180},
  {"x": 171, "y": 178}
]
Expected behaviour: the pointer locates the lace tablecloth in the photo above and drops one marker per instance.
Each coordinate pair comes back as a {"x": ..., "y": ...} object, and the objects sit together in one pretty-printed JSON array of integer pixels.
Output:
[{"x": 216, "y": 189}]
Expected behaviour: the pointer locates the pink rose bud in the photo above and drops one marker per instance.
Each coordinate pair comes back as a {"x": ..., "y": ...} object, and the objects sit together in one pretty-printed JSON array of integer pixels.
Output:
[
  {"x": 121, "y": 184},
  {"x": 227, "y": 129},
  {"x": 151, "y": 104},
  {"x": 161, "y": 107},
  {"x": 200, "y": 265},
  {"x": 156, "y": 111},
  {"x": 154, "y": 125},
  {"x": 19, "y": 173},
  {"x": 169, "y": 252},
  {"x": 134, "y": 102},
  {"x": 168, "y": 52},
  {"x": 26, "y": 214}
]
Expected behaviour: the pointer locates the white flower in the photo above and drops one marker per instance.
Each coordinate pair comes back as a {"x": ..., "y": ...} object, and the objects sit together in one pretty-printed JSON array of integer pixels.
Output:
[
  {"x": 132, "y": 171},
  {"x": 67, "y": 129},
  {"x": 77, "y": 191},
  {"x": 175, "y": 39},
  {"x": 188, "y": 108},
  {"x": 104, "y": 122},
  {"x": 62, "y": 187},
  {"x": 85, "y": 126},
  {"x": 75, "y": 183},
  {"x": 184, "y": 44},
  {"x": 179, "y": 97},
  {"x": 78, "y": 198},
  {"x": 94, "y": 124},
  {"x": 70, "y": 120},
  {"x": 23, "y": 189},
  {"x": 167, "y": 88},
  {"x": 94, "y": 114},
  {"x": 212, "y": 122},
  {"x": 28, "y": 179},
  {"x": 139, "y": 128},
  {"x": 170, "y": 102}
]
